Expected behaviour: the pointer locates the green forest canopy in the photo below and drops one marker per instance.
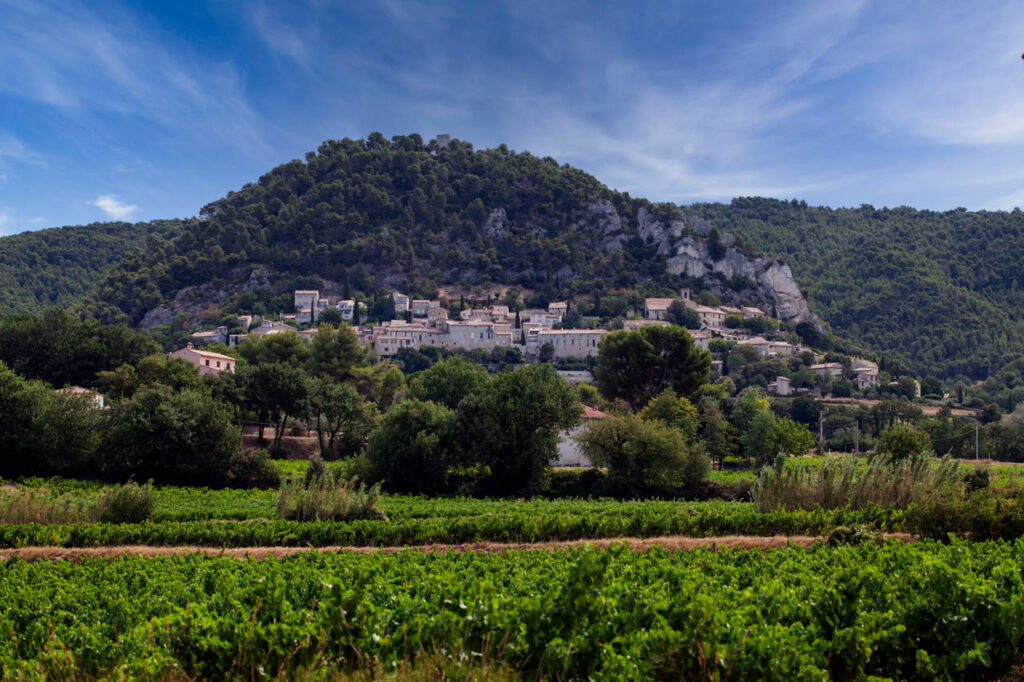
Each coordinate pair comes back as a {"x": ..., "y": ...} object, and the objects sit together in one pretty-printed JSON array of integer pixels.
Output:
[
  {"x": 58, "y": 266},
  {"x": 939, "y": 290},
  {"x": 942, "y": 290}
]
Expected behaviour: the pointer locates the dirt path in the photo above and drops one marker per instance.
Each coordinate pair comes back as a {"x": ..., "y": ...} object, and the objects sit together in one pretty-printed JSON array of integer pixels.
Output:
[{"x": 672, "y": 543}]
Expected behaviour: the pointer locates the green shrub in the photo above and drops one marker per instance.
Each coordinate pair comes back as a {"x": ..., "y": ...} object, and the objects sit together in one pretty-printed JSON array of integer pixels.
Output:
[
  {"x": 253, "y": 469},
  {"x": 328, "y": 499},
  {"x": 128, "y": 503},
  {"x": 978, "y": 515},
  {"x": 315, "y": 470},
  {"x": 900, "y": 441},
  {"x": 853, "y": 535},
  {"x": 644, "y": 457},
  {"x": 568, "y": 483}
]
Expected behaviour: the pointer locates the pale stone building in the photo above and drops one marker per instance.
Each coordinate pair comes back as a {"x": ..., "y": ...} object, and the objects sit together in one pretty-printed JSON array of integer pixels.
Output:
[{"x": 207, "y": 362}]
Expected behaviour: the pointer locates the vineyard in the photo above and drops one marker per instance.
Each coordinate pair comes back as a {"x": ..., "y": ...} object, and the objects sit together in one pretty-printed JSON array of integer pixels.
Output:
[
  {"x": 909, "y": 611},
  {"x": 849, "y": 606}
]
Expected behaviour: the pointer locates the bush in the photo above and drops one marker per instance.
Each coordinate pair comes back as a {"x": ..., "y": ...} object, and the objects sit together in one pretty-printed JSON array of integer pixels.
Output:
[
  {"x": 977, "y": 514},
  {"x": 853, "y": 535},
  {"x": 316, "y": 469},
  {"x": 128, "y": 503},
  {"x": 176, "y": 437},
  {"x": 411, "y": 449},
  {"x": 568, "y": 483},
  {"x": 328, "y": 499},
  {"x": 253, "y": 469},
  {"x": 901, "y": 441},
  {"x": 644, "y": 457}
]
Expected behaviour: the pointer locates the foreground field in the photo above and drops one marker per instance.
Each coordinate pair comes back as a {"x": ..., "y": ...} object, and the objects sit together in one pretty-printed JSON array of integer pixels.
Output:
[{"x": 896, "y": 610}]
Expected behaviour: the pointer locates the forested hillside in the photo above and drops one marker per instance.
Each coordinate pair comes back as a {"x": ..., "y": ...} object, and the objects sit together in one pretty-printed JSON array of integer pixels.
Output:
[
  {"x": 944, "y": 291},
  {"x": 408, "y": 213},
  {"x": 58, "y": 266},
  {"x": 939, "y": 291}
]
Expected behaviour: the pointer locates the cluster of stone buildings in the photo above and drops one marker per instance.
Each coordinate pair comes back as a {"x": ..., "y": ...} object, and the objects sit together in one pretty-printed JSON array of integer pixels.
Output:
[
  {"x": 421, "y": 322},
  {"x": 430, "y": 324}
]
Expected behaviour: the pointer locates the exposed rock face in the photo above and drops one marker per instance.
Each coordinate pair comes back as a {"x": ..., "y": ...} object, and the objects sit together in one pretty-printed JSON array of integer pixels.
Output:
[
  {"x": 734, "y": 276},
  {"x": 495, "y": 226},
  {"x": 206, "y": 298},
  {"x": 651, "y": 230},
  {"x": 770, "y": 278},
  {"x": 602, "y": 218}
]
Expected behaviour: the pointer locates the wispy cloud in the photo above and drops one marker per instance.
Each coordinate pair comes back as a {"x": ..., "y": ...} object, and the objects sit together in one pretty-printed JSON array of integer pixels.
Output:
[
  {"x": 955, "y": 75},
  {"x": 281, "y": 35},
  {"x": 681, "y": 133},
  {"x": 114, "y": 207},
  {"x": 82, "y": 60},
  {"x": 13, "y": 149}
]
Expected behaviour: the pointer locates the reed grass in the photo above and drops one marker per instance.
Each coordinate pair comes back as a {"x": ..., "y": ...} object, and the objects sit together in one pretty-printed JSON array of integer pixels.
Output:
[
  {"x": 328, "y": 498},
  {"x": 129, "y": 503},
  {"x": 39, "y": 505},
  {"x": 855, "y": 483}
]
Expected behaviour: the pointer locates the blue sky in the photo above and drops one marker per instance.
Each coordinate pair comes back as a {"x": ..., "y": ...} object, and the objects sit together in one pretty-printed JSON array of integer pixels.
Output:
[{"x": 116, "y": 110}]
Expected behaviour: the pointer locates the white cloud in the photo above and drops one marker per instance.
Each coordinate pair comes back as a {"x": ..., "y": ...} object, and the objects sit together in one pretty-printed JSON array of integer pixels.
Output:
[{"x": 114, "y": 207}]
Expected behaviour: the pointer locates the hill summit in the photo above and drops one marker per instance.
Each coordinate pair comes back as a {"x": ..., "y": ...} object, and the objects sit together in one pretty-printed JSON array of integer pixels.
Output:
[{"x": 401, "y": 213}]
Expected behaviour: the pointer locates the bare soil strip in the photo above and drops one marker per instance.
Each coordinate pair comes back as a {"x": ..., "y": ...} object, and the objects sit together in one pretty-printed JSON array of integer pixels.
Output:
[{"x": 675, "y": 543}]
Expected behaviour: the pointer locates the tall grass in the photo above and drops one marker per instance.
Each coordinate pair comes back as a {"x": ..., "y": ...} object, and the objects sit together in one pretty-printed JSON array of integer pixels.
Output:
[
  {"x": 851, "y": 482},
  {"x": 130, "y": 503},
  {"x": 39, "y": 505},
  {"x": 328, "y": 498}
]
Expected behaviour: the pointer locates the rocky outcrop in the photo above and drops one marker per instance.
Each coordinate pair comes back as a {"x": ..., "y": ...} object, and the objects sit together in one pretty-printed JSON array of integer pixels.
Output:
[
  {"x": 601, "y": 218},
  {"x": 655, "y": 231},
  {"x": 734, "y": 276},
  {"x": 495, "y": 226}
]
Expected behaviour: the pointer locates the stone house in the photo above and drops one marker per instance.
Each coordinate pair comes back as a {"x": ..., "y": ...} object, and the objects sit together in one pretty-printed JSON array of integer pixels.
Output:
[
  {"x": 831, "y": 369},
  {"x": 207, "y": 362},
  {"x": 782, "y": 386},
  {"x": 569, "y": 453},
  {"x": 571, "y": 343},
  {"x": 656, "y": 308},
  {"x": 402, "y": 303},
  {"x": 97, "y": 399}
]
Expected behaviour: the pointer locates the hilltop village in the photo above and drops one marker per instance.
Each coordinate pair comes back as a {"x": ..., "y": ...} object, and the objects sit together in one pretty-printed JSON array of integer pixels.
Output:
[{"x": 539, "y": 334}]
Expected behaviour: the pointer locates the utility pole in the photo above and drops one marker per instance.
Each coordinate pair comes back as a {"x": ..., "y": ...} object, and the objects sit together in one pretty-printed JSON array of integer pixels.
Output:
[
  {"x": 975, "y": 440},
  {"x": 856, "y": 437},
  {"x": 821, "y": 432}
]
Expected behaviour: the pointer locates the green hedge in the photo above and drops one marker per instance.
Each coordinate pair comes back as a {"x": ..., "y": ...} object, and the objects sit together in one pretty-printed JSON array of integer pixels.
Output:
[{"x": 527, "y": 526}]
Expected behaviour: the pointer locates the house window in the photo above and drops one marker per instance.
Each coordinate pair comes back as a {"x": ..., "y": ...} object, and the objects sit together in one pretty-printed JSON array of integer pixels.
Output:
[
  {"x": 207, "y": 363},
  {"x": 218, "y": 363}
]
